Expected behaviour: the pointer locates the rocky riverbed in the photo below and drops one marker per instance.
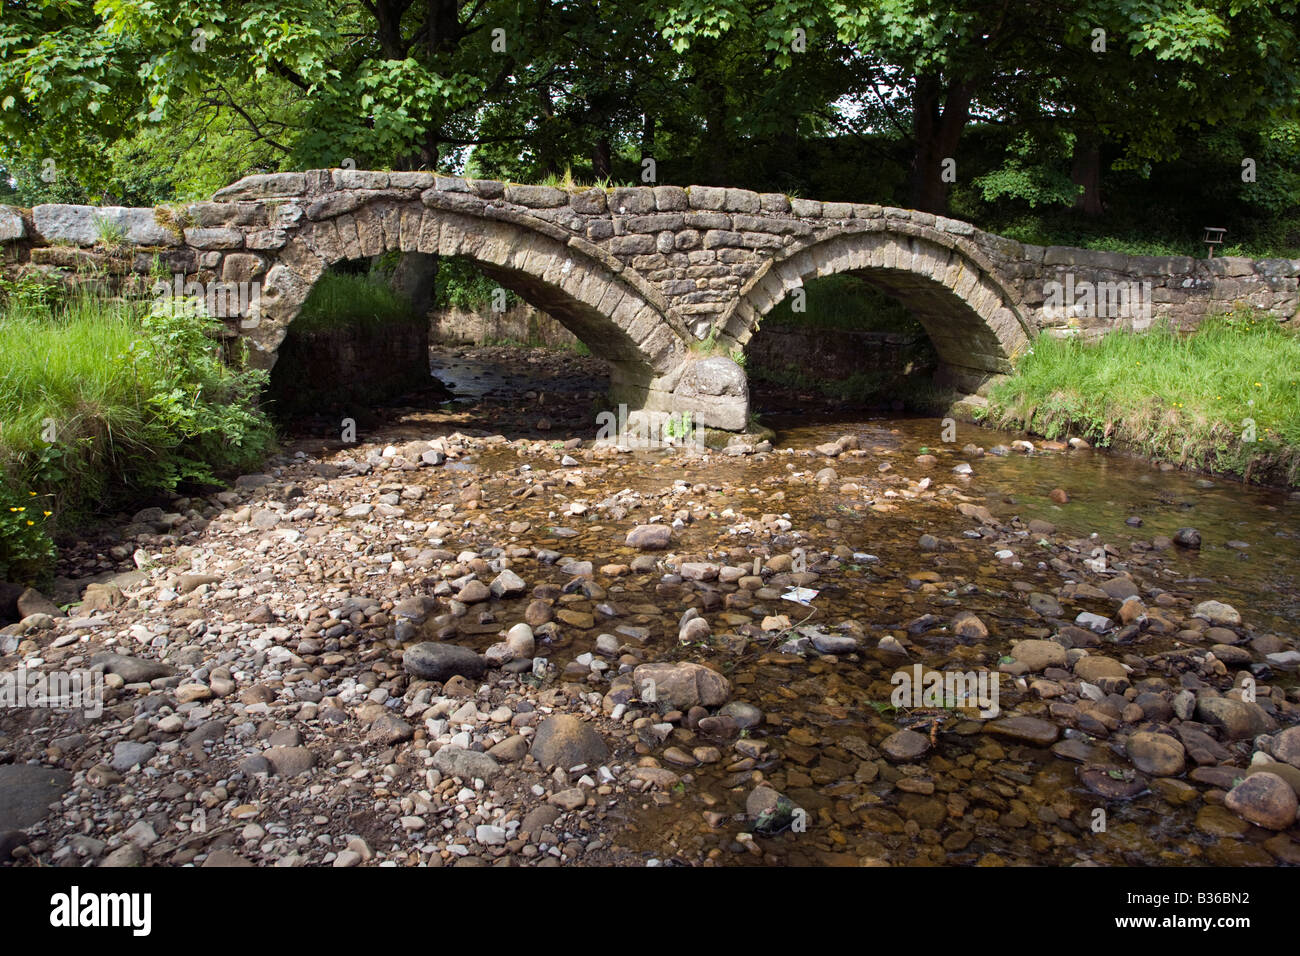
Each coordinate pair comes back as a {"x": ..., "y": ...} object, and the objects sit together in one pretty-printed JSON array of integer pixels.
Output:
[{"x": 477, "y": 636}]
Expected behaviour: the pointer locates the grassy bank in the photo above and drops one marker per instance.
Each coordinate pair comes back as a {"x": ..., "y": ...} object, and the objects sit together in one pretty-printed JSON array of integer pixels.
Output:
[
  {"x": 104, "y": 403},
  {"x": 1225, "y": 398}
]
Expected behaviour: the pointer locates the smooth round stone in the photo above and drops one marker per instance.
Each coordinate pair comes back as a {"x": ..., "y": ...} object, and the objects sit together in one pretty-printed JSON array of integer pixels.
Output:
[
  {"x": 1113, "y": 783},
  {"x": 744, "y": 715},
  {"x": 1157, "y": 754},
  {"x": 566, "y": 741},
  {"x": 1264, "y": 799},
  {"x": 1217, "y": 613},
  {"x": 439, "y": 662},
  {"x": 1039, "y": 655},
  {"x": 904, "y": 745}
]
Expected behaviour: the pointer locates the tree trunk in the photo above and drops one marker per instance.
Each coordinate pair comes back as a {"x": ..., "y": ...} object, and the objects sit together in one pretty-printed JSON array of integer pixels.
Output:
[
  {"x": 648, "y": 137},
  {"x": 1086, "y": 172},
  {"x": 429, "y": 152},
  {"x": 938, "y": 117},
  {"x": 714, "y": 168},
  {"x": 602, "y": 160}
]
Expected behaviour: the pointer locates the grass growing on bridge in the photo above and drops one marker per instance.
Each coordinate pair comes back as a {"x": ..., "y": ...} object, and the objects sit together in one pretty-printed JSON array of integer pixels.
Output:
[
  {"x": 1196, "y": 399},
  {"x": 104, "y": 403}
]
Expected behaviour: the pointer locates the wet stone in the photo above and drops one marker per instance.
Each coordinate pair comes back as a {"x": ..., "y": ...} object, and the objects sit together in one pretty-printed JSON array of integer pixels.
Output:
[
  {"x": 1157, "y": 754},
  {"x": 1039, "y": 655},
  {"x": 1113, "y": 783},
  {"x": 1265, "y": 800},
  {"x": 1237, "y": 719},
  {"x": 1030, "y": 730},
  {"x": 905, "y": 745}
]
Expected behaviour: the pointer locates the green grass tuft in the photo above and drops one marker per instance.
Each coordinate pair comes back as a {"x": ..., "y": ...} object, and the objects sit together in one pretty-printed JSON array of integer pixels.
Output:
[{"x": 105, "y": 402}]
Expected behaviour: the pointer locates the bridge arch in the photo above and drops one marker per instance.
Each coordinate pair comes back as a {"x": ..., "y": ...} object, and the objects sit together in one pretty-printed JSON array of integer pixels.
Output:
[
  {"x": 611, "y": 309},
  {"x": 976, "y": 322}
]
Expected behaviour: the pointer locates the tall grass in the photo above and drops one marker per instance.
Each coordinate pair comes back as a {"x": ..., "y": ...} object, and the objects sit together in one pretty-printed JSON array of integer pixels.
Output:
[
  {"x": 342, "y": 299},
  {"x": 66, "y": 380},
  {"x": 1187, "y": 398},
  {"x": 102, "y": 401}
]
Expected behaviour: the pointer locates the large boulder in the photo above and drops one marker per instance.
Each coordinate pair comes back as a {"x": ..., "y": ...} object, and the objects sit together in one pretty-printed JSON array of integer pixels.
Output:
[
  {"x": 436, "y": 661},
  {"x": 715, "y": 392},
  {"x": 681, "y": 685},
  {"x": 565, "y": 741}
]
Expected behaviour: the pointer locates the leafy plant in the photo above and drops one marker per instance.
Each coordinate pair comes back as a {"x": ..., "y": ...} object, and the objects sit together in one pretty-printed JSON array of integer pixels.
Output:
[
  {"x": 204, "y": 413},
  {"x": 103, "y": 401},
  {"x": 28, "y": 289},
  {"x": 26, "y": 548},
  {"x": 678, "y": 426}
]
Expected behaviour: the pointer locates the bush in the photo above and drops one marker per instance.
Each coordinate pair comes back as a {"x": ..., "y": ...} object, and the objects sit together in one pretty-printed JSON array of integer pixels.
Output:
[
  {"x": 202, "y": 413},
  {"x": 461, "y": 286},
  {"x": 102, "y": 401}
]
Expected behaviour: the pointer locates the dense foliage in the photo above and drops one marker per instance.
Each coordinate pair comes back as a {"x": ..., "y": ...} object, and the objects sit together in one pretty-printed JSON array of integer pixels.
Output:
[{"x": 1052, "y": 118}]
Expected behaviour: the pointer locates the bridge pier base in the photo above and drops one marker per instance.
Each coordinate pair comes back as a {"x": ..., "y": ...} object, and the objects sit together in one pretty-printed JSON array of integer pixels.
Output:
[
  {"x": 970, "y": 381},
  {"x": 714, "y": 391}
]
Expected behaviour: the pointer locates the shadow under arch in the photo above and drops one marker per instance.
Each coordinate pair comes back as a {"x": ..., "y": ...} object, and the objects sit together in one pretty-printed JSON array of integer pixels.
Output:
[
  {"x": 974, "y": 321},
  {"x": 611, "y": 311}
]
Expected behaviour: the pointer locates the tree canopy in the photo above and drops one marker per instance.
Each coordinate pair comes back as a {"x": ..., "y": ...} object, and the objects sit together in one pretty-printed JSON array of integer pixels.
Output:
[{"x": 985, "y": 108}]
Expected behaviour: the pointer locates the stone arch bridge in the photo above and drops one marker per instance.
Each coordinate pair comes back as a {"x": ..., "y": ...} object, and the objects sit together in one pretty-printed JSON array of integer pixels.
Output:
[{"x": 664, "y": 282}]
